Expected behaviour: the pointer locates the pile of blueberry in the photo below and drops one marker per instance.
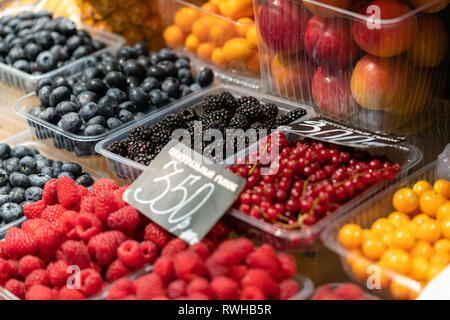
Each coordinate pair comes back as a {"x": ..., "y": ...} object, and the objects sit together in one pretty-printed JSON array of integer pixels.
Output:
[
  {"x": 23, "y": 174},
  {"x": 115, "y": 89},
  {"x": 36, "y": 43}
]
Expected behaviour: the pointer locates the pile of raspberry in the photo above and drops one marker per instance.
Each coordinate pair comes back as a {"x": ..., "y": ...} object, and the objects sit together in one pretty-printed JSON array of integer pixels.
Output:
[
  {"x": 236, "y": 270},
  {"x": 73, "y": 228}
]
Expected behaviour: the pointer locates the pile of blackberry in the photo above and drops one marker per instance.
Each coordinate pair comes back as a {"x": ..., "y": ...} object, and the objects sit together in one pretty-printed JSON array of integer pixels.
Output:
[
  {"x": 36, "y": 42},
  {"x": 115, "y": 89},
  {"x": 222, "y": 111}
]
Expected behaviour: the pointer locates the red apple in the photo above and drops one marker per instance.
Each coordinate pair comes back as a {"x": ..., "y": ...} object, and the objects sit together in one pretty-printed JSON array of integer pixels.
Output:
[
  {"x": 282, "y": 25},
  {"x": 329, "y": 41},
  {"x": 331, "y": 91},
  {"x": 385, "y": 33}
]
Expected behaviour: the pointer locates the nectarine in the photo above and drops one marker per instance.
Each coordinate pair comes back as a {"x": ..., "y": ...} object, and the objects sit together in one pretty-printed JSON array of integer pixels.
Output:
[
  {"x": 381, "y": 34},
  {"x": 323, "y": 11},
  {"x": 329, "y": 41}
]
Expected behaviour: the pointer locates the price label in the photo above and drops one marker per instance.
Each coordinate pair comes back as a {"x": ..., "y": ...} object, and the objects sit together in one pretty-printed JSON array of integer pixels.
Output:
[{"x": 184, "y": 192}]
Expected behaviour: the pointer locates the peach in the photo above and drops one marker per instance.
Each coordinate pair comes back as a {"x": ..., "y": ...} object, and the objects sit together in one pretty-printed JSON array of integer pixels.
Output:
[
  {"x": 292, "y": 76},
  {"x": 329, "y": 41},
  {"x": 331, "y": 91},
  {"x": 282, "y": 25},
  {"x": 430, "y": 47},
  {"x": 420, "y": 3},
  {"x": 385, "y": 38},
  {"x": 381, "y": 83},
  {"x": 322, "y": 11}
]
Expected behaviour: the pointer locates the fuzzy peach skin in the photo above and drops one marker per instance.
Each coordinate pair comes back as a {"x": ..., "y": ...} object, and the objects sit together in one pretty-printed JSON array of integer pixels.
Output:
[
  {"x": 325, "y": 12},
  {"x": 385, "y": 39}
]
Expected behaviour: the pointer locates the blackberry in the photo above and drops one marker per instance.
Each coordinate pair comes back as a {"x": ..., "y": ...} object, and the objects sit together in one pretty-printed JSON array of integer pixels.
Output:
[
  {"x": 228, "y": 101},
  {"x": 290, "y": 117},
  {"x": 257, "y": 125},
  {"x": 270, "y": 110},
  {"x": 140, "y": 133},
  {"x": 239, "y": 121},
  {"x": 170, "y": 123},
  {"x": 189, "y": 115},
  {"x": 119, "y": 147},
  {"x": 250, "y": 109},
  {"x": 248, "y": 99},
  {"x": 219, "y": 117},
  {"x": 211, "y": 103},
  {"x": 161, "y": 137},
  {"x": 138, "y": 148},
  {"x": 145, "y": 159}
]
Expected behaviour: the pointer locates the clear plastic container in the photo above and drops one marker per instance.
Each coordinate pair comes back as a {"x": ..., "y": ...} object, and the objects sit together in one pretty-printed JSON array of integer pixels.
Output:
[
  {"x": 129, "y": 170},
  {"x": 379, "y": 70},
  {"x": 25, "y": 139},
  {"x": 307, "y": 240},
  {"x": 214, "y": 40},
  {"x": 10, "y": 125},
  {"x": 380, "y": 206}
]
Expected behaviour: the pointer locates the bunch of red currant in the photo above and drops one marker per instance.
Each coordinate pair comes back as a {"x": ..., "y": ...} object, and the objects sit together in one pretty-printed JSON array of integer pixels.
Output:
[{"x": 306, "y": 180}]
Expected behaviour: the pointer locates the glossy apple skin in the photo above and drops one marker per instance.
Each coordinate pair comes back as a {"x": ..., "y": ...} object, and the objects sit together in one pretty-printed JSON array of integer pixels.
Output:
[
  {"x": 325, "y": 12},
  {"x": 282, "y": 25},
  {"x": 331, "y": 91},
  {"x": 386, "y": 39},
  {"x": 329, "y": 41}
]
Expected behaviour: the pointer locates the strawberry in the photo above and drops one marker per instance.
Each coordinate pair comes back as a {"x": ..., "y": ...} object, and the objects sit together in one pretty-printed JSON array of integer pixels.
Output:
[
  {"x": 49, "y": 236},
  {"x": 53, "y": 213},
  {"x": 173, "y": 247},
  {"x": 252, "y": 293},
  {"x": 28, "y": 264},
  {"x": 40, "y": 292},
  {"x": 88, "y": 204},
  {"x": 69, "y": 195},
  {"x": 224, "y": 288},
  {"x": 33, "y": 224},
  {"x": 57, "y": 272},
  {"x": 198, "y": 285},
  {"x": 19, "y": 243},
  {"x": 125, "y": 219},
  {"x": 157, "y": 235},
  {"x": 91, "y": 282},
  {"x": 121, "y": 289},
  {"x": 49, "y": 194},
  {"x": 103, "y": 184},
  {"x": 86, "y": 226},
  {"x": 129, "y": 252},
  {"x": 150, "y": 286},
  {"x": 188, "y": 266},
  {"x": 106, "y": 202},
  {"x": 16, "y": 287},
  {"x": 70, "y": 294},
  {"x": 39, "y": 276},
  {"x": 262, "y": 280},
  {"x": 74, "y": 253},
  {"x": 34, "y": 210},
  {"x": 176, "y": 288},
  {"x": 116, "y": 270},
  {"x": 148, "y": 251},
  {"x": 164, "y": 268},
  {"x": 288, "y": 288},
  {"x": 102, "y": 247}
]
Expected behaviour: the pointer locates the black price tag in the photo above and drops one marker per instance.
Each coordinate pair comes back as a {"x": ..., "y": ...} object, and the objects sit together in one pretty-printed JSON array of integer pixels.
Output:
[{"x": 184, "y": 192}]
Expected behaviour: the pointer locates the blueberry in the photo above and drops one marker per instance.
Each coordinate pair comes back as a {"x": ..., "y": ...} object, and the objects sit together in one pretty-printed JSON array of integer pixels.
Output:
[
  {"x": 4, "y": 48},
  {"x": 98, "y": 45},
  {"x": 205, "y": 77},
  {"x": 94, "y": 130},
  {"x": 150, "y": 84},
  {"x": 139, "y": 97},
  {"x": 133, "y": 82},
  {"x": 185, "y": 76},
  {"x": 182, "y": 64},
  {"x": 127, "y": 52},
  {"x": 10, "y": 212},
  {"x": 172, "y": 87},
  {"x": 17, "y": 179},
  {"x": 117, "y": 94},
  {"x": 100, "y": 120},
  {"x": 133, "y": 69},
  {"x": 86, "y": 97},
  {"x": 71, "y": 122},
  {"x": 16, "y": 53},
  {"x": 49, "y": 115},
  {"x": 65, "y": 107},
  {"x": 66, "y": 174},
  {"x": 3, "y": 177},
  {"x": 42, "y": 83},
  {"x": 22, "y": 65},
  {"x": 66, "y": 27},
  {"x": 58, "y": 39},
  {"x": 20, "y": 151},
  {"x": 58, "y": 95},
  {"x": 168, "y": 67},
  {"x": 92, "y": 73},
  {"x": 60, "y": 82},
  {"x": 185, "y": 90},
  {"x": 129, "y": 106},
  {"x": 82, "y": 51},
  {"x": 41, "y": 163},
  {"x": 33, "y": 194},
  {"x": 156, "y": 72},
  {"x": 48, "y": 171},
  {"x": 125, "y": 116},
  {"x": 108, "y": 66},
  {"x": 141, "y": 49},
  {"x": 107, "y": 106},
  {"x": 17, "y": 194},
  {"x": 75, "y": 168},
  {"x": 79, "y": 87},
  {"x": 195, "y": 87},
  {"x": 158, "y": 98},
  {"x": 116, "y": 79},
  {"x": 39, "y": 180},
  {"x": 27, "y": 165},
  {"x": 46, "y": 61},
  {"x": 4, "y": 198},
  {"x": 88, "y": 111},
  {"x": 97, "y": 86},
  {"x": 5, "y": 190},
  {"x": 57, "y": 164},
  {"x": 113, "y": 123},
  {"x": 5, "y": 151},
  {"x": 11, "y": 165},
  {"x": 144, "y": 62},
  {"x": 44, "y": 96},
  {"x": 167, "y": 54},
  {"x": 44, "y": 13}
]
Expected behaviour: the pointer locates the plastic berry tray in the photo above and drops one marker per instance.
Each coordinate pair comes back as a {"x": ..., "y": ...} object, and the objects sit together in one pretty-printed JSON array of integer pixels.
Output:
[
  {"x": 129, "y": 170},
  {"x": 306, "y": 286},
  {"x": 25, "y": 81},
  {"x": 377, "y": 207},
  {"x": 376, "y": 72},
  {"x": 308, "y": 240},
  {"x": 237, "y": 73},
  {"x": 25, "y": 139}
]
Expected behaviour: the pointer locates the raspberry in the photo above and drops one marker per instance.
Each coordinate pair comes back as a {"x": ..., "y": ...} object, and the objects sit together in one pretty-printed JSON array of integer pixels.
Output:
[
  {"x": 188, "y": 266},
  {"x": 198, "y": 296},
  {"x": 19, "y": 243},
  {"x": 224, "y": 288},
  {"x": 70, "y": 294},
  {"x": 262, "y": 280},
  {"x": 88, "y": 204},
  {"x": 119, "y": 192},
  {"x": 164, "y": 268},
  {"x": 264, "y": 258},
  {"x": 49, "y": 236},
  {"x": 324, "y": 293},
  {"x": 238, "y": 272},
  {"x": 102, "y": 247},
  {"x": 116, "y": 270},
  {"x": 3, "y": 254},
  {"x": 53, "y": 213},
  {"x": 39, "y": 276},
  {"x": 150, "y": 286},
  {"x": 49, "y": 194},
  {"x": 83, "y": 191},
  {"x": 287, "y": 264},
  {"x": 5, "y": 272},
  {"x": 121, "y": 289},
  {"x": 220, "y": 229},
  {"x": 68, "y": 193},
  {"x": 40, "y": 292},
  {"x": 74, "y": 253},
  {"x": 125, "y": 219},
  {"x": 200, "y": 249},
  {"x": 103, "y": 184},
  {"x": 348, "y": 291},
  {"x": 33, "y": 224},
  {"x": 16, "y": 287},
  {"x": 173, "y": 247},
  {"x": 148, "y": 251},
  {"x": 57, "y": 272},
  {"x": 215, "y": 268},
  {"x": 252, "y": 293},
  {"x": 198, "y": 285},
  {"x": 34, "y": 210},
  {"x": 105, "y": 204},
  {"x": 28, "y": 264},
  {"x": 13, "y": 268},
  {"x": 68, "y": 219},
  {"x": 157, "y": 235},
  {"x": 176, "y": 289},
  {"x": 130, "y": 254},
  {"x": 91, "y": 282},
  {"x": 233, "y": 252},
  {"x": 87, "y": 225},
  {"x": 288, "y": 288}
]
